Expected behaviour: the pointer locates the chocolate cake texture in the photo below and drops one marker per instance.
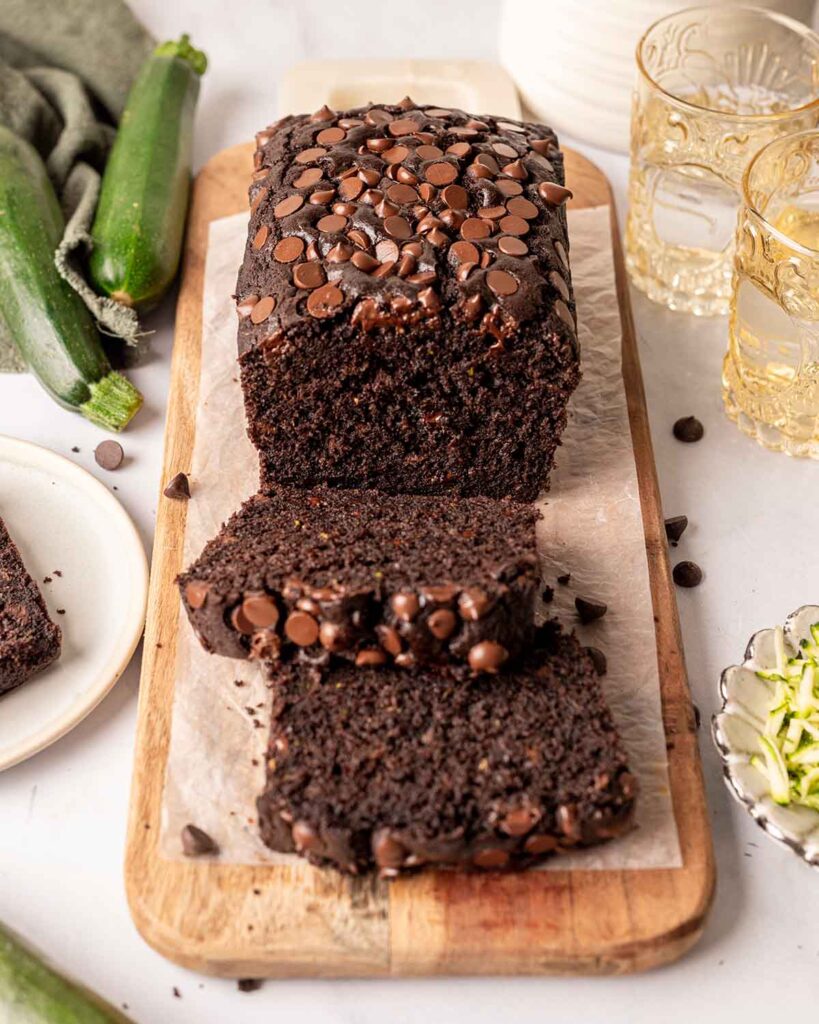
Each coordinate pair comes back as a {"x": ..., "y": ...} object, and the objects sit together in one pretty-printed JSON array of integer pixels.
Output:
[
  {"x": 405, "y": 580},
  {"x": 406, "y": 315},
  {"x": 29, "y": 640},
  {"x": 393, "y": 770}
]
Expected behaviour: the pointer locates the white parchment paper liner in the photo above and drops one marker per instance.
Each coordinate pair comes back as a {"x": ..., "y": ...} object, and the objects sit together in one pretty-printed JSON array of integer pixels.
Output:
[{"x": 592, "y": 528}]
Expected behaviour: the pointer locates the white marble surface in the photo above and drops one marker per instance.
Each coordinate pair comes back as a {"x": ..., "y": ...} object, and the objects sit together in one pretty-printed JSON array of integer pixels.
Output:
[{"x": 753, "y": 515}]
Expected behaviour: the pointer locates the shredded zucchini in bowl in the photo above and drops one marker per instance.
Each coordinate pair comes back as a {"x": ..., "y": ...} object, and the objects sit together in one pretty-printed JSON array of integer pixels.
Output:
[{"x": 790, "y": 741}]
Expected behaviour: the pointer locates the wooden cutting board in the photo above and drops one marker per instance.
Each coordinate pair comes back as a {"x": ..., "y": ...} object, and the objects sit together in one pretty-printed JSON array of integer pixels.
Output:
[{"x": 266, "y": 921}]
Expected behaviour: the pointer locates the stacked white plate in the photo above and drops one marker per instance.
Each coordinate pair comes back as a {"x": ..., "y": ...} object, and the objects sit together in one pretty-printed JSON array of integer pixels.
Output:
[{"x": 574, "y": 63}]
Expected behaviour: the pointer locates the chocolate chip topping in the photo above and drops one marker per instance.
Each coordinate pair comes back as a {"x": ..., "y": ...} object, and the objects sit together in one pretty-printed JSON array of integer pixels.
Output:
[
  {"x": 487, "y": 656},
  {"x": 687, "y": 574},
  {"x": 196, "y": 842},
  {"x": 109, "y": 455},
  {"x": 688, "y": 429},
  {"x": 301, "y": 628},
  {"x": 196, "y": 593},
  {"x": 589, "y": 610},
  {"x": 675, "y": 527},
  {"x": 288, "y": 249},
  {"x": 178, "y": 488}
]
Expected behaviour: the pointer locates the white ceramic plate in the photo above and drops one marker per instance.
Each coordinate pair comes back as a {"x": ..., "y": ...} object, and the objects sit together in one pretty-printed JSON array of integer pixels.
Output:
[
  {"x": 745, "y": 701},
  {"x": 61, "y": 518}
]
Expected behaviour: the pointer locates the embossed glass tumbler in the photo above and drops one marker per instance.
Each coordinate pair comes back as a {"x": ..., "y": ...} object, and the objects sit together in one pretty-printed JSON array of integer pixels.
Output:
[
  {"x": 771, "y": 371},
  {"x": 714, "y": 85}
]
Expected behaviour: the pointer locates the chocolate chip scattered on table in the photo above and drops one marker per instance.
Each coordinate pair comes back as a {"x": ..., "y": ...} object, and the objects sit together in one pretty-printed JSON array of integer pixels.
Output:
[
  {"x": 109, "y": 455},
  {"x": 688, "y": 429}
]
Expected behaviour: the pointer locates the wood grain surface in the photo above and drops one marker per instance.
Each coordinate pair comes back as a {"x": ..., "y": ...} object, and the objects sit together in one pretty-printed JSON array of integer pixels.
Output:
[{"x": 296, "y": 920}]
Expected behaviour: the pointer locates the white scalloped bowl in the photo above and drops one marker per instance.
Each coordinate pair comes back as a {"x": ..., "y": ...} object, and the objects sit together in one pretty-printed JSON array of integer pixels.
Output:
[{"x": 737, "y": 728}]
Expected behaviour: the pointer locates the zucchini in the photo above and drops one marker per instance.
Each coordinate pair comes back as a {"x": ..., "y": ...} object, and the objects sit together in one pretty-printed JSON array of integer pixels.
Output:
[
  {"x": 140, "y": 220},
  {"x": 45, "y": 318},
  {"x": 31, "y": 992}
]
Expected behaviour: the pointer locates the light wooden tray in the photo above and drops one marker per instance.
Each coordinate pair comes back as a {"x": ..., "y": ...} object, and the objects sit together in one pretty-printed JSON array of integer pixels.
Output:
[{"x": 256, "y": 921}]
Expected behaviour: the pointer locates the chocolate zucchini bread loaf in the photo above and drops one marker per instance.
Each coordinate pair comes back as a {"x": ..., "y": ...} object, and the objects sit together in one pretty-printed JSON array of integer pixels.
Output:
[
  {"x": 376, "y": 579},
  {"x": 29, "y": 640},
  {"x": 400, "y": 769},
  {"x": 406, "y": 313}
]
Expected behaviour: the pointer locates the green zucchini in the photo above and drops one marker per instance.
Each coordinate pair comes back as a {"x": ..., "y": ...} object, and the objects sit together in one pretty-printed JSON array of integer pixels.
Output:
[
  {"x": 31, "y": 992},
  {"x": 46, "y": 319},
  {"x": 140, "y": 220}
]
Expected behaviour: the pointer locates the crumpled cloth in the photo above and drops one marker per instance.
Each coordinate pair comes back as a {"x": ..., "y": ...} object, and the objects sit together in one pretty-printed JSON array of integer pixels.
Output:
[{"x": 66, "y": 67}]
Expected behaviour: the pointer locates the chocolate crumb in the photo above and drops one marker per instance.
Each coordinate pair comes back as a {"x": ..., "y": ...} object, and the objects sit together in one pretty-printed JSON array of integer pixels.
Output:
[
  {"x": 675, "y": 527},
  {"x": 249, "y": 984},
  {"x": 589, "y": 610},
  {"x": 177, "y": 994},
  {"x": 57, "y": 572},
  {"x": 599, "y": 659},
  {"x": 75, "y": 449},
  {"x": 565, "y": 579},
  {"x": 47, "y": 579},
  {"x": 61, "y": 611},
  {"x": 688, "y": 429},
  {"x": 238, "y": 682},
  {"x": 697, "y": 716},
  {"x": 109, "y": 455},
  {"x": 687, "y": 574},
  {"x": 196, "y": 842},
  {"x": 548, "y": 595},
  {"x": 179, "y": 488}
]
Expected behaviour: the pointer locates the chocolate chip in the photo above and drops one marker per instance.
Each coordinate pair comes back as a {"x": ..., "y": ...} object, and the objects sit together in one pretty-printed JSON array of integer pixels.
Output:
[
  {"x": 395, "y": 154},
  {"x": 322, "y": 196},
  {"x": 487, "y": 656},
  {"x": 490, "y": 858},
  {"x": 687, "y": 574},
  {"x": 403, "y": 126},
  {"x": 109, "y": 455},
  {"x": 553, "y": 194},
  {"x": 389, "y": 638},
  {"x": 565, "y": 579},
  {"x": 288, "y": 249},
  {"x": 441, "y": 173},
  {"x": 323, "y": 114},
  {"x": 262, "y": 309},
  {"x": 240, "y": 623},
  {"x": 340, "y": 253},
  {"x": 442, "y": 623},
  {"x": 261, "y": 236},
  {"x": 329, "y": 136},
  {"x": 473, "y": 604},
  {"x": 438, "y": 238},
  {"x": 370, "y": 657},
  {"x": 196, "y": 842},
  {"x": 179, "y": 488},
  {"x": 196, "y": 593},
  {"x": 332, "y": 223},
  {"x": 510, "y": 245},
  {"x": 402, "y": 194},
  {"x": 564, "y": 313},
  {"x": 522, "y": 207},
  {"x": 310, "y": 176},
  {"x": 364, "y": 261},
  {"x": 501, "y": 283},
  {"x": 325, "y": 301},
  {"x": 697, "y": 716},
  {"x": 244, "y": 307},
  {"x": 288, "y": 206},
  {"x": 508, "y": 187},
  {"x": 558, "y": 282},
  {"x": 516, "y": 170},
  {"x": 512, "y": 225},
  {"x": 520, "y": 820},
  {"x": 428, "y": 152},
  {"x": 547, "y": 595},
  {"x": 465, "y": 252},
  {"x": 370, "y": 176},
  {"x": 473, "y": 228},
  {"x": 405, "y": 604},
  {"x": 492, "y": 212},
  {"x": 307, "y": 156},
  {"x": 598, "y": 659},
  {"x": 589, "y": 610},
  {"x": 545, "y": 147},
  {"x": 688, "y": 429},
  {"x": 675, "y": 527},
  {"x": 260, "y": 610},
  {"x": 249, "y": 984},
  {"x": 539, "y": 844},
  {"x": 385, "y": 269},
  {"x": 398, "y": 227},
  {"x": 351, "y": 188},
  {"x": 459, "y": 149},
  {"x": 308, "y": 276},
  {"x": 427, "y": 298},
  {"x": 387, "y": 851},
  {"x": 301, "y": 628},
  {"x": 331, "y": 635}
]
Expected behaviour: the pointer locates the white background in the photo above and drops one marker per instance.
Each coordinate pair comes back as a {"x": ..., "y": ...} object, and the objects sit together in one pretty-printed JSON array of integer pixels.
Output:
[{"x": 753, "y": 529}]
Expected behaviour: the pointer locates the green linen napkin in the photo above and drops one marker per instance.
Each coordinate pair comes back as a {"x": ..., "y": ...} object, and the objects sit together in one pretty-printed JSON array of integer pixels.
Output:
[{"x": 66, "y": 67}]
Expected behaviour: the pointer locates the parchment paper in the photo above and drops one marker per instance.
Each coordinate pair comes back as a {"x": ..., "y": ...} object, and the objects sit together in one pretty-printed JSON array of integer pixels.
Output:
[{"x": 592, "y": 529}]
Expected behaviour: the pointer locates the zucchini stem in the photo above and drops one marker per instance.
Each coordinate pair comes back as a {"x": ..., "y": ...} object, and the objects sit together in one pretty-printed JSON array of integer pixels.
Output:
[
  {"x": 113, "y": 403},
  {"x": 184, "y": 51}
]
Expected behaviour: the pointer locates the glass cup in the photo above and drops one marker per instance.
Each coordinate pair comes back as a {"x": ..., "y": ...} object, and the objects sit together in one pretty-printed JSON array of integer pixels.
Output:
[
  {"x": 714, "y": 86},
  {"x": 771, "y": 371}
]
